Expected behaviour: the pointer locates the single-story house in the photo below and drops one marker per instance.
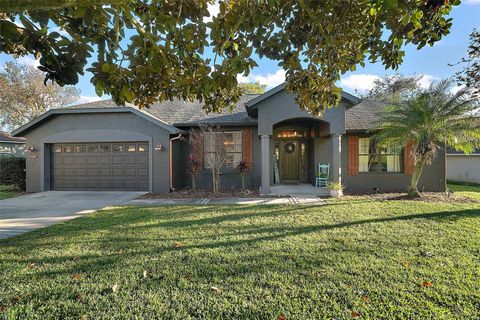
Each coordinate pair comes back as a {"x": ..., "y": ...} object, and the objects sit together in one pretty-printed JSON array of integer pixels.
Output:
[
  {"x": 11, "y": 146},
  {"x": 101, "y": 146},
  {"x": 463, "y": 167}
]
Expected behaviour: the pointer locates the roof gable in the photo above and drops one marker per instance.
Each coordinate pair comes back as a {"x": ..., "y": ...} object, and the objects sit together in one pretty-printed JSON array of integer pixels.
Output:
[
  {"x": 250, "y": 104},
  {"x": 81, "y": 109}
]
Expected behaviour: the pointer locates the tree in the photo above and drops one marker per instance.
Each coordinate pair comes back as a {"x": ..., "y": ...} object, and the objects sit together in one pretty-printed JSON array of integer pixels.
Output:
[
  {"x": 426, "y": 119},
  {"x": 470, "y": 75},
  {"x": 154, "y": 50},
  {"x": 242, "y": 169},
  {"x": 215, "y": 153},
  {"x": 252, "y": 88},
  {"x": 23, "y": 95}
]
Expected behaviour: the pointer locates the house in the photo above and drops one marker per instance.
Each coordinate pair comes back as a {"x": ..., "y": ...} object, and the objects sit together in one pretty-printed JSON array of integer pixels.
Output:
[
  {"x": 463, "y": 167},
  {"x": 100, "y": 146},
  {"x": 11, "y": 146}
]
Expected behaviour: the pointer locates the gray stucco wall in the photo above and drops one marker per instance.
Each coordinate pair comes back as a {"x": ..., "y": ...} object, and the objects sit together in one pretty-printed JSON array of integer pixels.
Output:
[
  {"x": 281, "y": 106},
  {"x": 463, "y": 168},
  {"x": 432, "y": 178},
  {"x": 96, "y": 127},
  {"x": 16, "y": 149}
]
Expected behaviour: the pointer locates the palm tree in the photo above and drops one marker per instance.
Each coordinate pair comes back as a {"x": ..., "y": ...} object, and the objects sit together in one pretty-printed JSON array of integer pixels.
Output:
[{"x": 430, "y": 119}]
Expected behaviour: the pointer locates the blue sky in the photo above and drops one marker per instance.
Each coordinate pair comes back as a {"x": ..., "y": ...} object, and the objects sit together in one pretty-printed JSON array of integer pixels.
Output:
[{"x": 432, "y": 62}]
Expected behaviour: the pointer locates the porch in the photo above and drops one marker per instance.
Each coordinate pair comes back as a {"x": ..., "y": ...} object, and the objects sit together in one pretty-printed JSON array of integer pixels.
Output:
[{"x": 302, "y": 189}]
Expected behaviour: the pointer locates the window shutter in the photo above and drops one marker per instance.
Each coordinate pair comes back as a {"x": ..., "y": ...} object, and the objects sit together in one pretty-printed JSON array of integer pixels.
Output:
[
  {"x": 408, "y": 161},
  {"x": 247, "y": 147},
  {"x": 197, "y": 149},
  {"x": 353, "y": 157}
]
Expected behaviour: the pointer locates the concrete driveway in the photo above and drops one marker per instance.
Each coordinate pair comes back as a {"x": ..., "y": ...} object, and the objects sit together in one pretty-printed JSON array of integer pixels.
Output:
[{"x": 25, "y": 213}]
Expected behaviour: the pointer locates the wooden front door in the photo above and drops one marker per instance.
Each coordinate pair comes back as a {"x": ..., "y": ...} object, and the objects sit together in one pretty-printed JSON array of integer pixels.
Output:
[{"x": 289, "y": 161}]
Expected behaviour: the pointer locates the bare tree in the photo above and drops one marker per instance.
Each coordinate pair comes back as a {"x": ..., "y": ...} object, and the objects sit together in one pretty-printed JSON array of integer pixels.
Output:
[
  {"x": 195, "y": 139},
  {"x": 24, "y": 95}
]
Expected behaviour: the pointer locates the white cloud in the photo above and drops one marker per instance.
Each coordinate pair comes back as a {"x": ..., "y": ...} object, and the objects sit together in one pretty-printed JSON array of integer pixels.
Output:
[
  {"x": 474, "y": 2},
  {"x": 87, "y": 99},
  {"x": 270, "y": 79},
  {"x": 427, "y": 80},
  {"x": 214, "y": 10},
  {"x": 359, "y": 82},
  {"x": 455, "y": 89},
  {"x": 28, "y": 60}
]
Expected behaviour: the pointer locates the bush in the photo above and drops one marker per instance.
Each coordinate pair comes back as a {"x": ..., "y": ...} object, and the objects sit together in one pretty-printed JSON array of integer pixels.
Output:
[{"x": 12, "y": 172}]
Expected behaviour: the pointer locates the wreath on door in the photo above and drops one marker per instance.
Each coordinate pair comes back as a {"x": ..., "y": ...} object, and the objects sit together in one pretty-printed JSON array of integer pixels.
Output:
[{"x": 289, "y": 147}]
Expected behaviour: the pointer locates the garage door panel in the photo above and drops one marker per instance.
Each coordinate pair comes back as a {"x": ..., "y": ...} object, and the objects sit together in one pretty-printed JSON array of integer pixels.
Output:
[
  {"x": 105, "y": 160},
  {"x": 81, "y": 160},
  {"x": 92, "y": 160},
  {"x": 100, "y": 166}
]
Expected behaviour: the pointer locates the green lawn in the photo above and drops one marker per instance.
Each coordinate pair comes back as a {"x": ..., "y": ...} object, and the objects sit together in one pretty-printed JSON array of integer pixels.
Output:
[
  {"x": 375, "y": 259},
  {"x": 7, "y": 192},
  {"x": 467, "y": 190}
]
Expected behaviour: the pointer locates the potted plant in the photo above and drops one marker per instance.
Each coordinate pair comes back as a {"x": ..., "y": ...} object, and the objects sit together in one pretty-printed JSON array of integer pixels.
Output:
[{"x": 336, "y": 189}]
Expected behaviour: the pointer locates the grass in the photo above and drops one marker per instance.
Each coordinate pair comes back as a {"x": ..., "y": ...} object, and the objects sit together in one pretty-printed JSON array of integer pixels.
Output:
[
  {"x": 466, "y": 189},
  {"x": 7, "y": 192},
  {"x": 371, "y": 259}
]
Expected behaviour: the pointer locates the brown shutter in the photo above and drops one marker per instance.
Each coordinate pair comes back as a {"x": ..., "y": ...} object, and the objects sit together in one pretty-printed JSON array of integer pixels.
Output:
[
  {"x": 247, "y": 147},
  {"x": 408, "y": 161},
  {"x": 353, "y": 157},
  {"x": 197, "y": 148}
]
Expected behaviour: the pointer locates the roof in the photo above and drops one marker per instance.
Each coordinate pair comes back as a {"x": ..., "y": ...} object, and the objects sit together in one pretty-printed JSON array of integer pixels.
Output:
[
  {"x": 105, "y": 106},
  {"x": 345, "y": 95},
  {"x": 363, "y": 116},
  {"x": 453, "y": 152},
  {"x": 6, "y": 137}
]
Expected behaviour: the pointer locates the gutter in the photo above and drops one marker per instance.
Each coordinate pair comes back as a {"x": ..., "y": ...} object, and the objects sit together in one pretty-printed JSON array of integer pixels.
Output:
[{"x": 171, "y": 160}]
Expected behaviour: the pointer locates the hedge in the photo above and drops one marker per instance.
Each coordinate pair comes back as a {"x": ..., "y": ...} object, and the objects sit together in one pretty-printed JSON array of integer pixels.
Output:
[{"x": 12, "y": 172}]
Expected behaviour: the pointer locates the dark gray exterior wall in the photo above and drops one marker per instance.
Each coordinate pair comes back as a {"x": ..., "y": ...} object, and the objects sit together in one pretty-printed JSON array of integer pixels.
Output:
[
  {"x": 432, "y": 178},
  {"x": 96, "y": 127},
  {"x": 230, "y": 177}
]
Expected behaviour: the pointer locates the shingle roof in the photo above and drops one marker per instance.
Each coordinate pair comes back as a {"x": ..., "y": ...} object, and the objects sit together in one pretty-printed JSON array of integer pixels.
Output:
[
  {"x": 5, "y": 137},
  {"x": 363, "y": 116},
  {"x": 180, "y": 113},
  {"x": 185, "y": 113}
]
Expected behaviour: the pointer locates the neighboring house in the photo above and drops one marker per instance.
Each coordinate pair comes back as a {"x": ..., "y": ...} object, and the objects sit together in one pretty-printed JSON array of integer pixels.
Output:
[
  {"x": 11, "y": 145},
  {"x": 100, "y": 146},
  {"x": 463, "y": 167}
]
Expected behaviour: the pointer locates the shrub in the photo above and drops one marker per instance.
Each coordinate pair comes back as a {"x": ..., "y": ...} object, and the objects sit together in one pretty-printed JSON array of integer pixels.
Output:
[{"x": 12, "y": 172}]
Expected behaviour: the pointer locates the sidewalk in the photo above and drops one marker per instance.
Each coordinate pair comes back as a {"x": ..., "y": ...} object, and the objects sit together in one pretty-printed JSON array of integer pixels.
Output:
[{"x": 291, "y": 200}]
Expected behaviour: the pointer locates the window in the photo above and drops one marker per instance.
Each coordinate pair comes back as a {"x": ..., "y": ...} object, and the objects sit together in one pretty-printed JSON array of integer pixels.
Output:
[
  {"x": 375, "y": 159},
  {"x": 92, "y": 148},
  {"x": 57, "y": 148},
  {"x": 130, "y": 147},
  {"x": 142, "y": 148},
  {"x": 80, "y": 149},
  {"x": 68, "y": 149},
  {"x": 291, "y": 133},
  {"x": 230, "y": 142},
  {"x": 105, "y": 148},
  {"x": 117, "y": 148}
]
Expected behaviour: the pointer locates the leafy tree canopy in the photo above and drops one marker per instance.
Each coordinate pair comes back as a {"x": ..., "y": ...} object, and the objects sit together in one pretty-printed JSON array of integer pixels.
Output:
[
  {"x": 155, "y": 50},
  {"x": 252, "y": 88},
  {"x": 470, "y": 75},
  {"x": 23, "y": 95}
]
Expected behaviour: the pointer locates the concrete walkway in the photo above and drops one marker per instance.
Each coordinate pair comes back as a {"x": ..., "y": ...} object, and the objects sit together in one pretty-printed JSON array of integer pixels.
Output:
[
  {"x": 292, "y": 200},
  {"x": 25, "y": 213}
]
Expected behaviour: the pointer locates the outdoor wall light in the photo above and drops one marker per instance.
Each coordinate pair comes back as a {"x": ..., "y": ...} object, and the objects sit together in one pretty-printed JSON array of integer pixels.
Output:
[
  {"x": 159, "y": 147},
  {"x": 30, "y": 148}
]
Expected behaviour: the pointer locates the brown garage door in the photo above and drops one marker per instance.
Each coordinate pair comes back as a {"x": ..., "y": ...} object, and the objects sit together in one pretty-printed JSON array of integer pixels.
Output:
[{"x": 100, "y": 166}]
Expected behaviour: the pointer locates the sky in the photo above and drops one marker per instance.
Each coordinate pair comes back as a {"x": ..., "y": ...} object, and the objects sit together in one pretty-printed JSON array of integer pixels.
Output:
[{"x": 431, "y": 62}]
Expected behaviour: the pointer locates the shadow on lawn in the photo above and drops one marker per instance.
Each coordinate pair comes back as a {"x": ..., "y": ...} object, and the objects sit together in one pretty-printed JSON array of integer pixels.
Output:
[{"x": 115, "y": 250}]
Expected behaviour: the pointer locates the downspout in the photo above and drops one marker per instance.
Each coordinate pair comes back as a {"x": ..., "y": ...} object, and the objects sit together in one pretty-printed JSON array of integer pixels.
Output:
[{"x": 171, "y": 160}]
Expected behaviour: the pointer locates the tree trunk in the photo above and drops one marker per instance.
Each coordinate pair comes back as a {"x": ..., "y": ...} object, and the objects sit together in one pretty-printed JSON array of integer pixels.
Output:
[
  {"x": 417, "y": 172},
  {"x": 243, "y": 181},
  {"x": 194, "y": 183}
]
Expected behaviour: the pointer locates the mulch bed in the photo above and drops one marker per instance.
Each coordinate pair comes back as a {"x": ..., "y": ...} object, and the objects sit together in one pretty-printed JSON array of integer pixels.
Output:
[
  {"x": 203, "y": 194},
  {"x": 425, "y": 197}
]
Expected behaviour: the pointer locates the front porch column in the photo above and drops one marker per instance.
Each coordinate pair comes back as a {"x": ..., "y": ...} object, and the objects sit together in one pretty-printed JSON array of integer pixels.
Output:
[
  {"x": 336, "y": 158},
  {"x": 265, "y": 155}
]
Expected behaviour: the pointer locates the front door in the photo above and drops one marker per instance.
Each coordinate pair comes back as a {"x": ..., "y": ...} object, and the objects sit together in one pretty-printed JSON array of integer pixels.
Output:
[{"x": 289, "y": 161}]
